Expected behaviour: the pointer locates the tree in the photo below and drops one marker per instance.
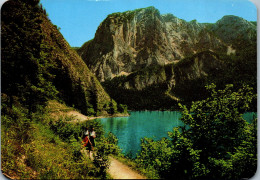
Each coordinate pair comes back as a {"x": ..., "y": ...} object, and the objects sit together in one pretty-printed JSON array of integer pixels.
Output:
[
  {"x": 215, "y": 142},
  {"x": 26, "y": 66},
  {"x": 112, "y": 107},
  {"x": 122, "y": 108},
  {"x": 216, "y": 139}
]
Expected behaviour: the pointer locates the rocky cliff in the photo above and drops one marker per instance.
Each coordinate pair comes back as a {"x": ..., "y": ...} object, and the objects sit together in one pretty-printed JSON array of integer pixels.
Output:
[
  {"x": 130, "y": 41},
  {"x": 159, "y": 87},
  {"x": 148, "y": 59}
]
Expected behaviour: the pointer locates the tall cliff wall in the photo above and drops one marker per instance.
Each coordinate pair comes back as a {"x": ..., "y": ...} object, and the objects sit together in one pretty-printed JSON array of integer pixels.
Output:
[{"x": 130, "y": 41}]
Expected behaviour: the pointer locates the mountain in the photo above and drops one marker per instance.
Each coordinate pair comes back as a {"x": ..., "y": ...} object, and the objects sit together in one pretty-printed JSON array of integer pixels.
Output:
[
  {"x": 149, "y": 59},
  {"x": 158, "y": 87},
  {"x": 38, "y": 63},
  {"x": 130, "y": 41}
]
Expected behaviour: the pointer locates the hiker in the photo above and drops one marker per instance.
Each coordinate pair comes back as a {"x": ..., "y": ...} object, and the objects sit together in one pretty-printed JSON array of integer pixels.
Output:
[
  {"x": 86, "y": 140},
  {"x": 92, "y": 138},
  {"x": 86, "y": 133}
]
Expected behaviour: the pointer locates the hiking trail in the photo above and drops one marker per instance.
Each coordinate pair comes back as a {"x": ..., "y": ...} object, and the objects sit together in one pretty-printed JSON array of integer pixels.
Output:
[{"x": 117, "y": 169}]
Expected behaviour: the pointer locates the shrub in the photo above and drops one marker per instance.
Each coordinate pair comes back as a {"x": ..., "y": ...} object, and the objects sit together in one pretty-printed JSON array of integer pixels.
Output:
[
  {"x": 122, "y": 108},
  {"x": 104, "y": 147},
  {"x": 215, "y": 142},
  {"x": 155, "y": 155}
]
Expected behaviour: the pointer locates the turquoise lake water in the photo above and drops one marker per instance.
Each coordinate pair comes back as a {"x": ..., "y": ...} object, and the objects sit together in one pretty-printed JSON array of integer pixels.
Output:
[{"x": 140, "y": 124}]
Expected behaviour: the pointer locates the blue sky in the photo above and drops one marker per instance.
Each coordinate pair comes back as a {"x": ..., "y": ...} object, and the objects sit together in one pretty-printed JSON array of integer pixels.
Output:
[{"x": 79, "y": 19}]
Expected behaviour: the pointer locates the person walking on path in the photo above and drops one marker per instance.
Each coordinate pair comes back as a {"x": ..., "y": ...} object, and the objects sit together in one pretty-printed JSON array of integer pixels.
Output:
[
  {"x": 92, "y": 138},
  {"x": 86, "y": 140}
]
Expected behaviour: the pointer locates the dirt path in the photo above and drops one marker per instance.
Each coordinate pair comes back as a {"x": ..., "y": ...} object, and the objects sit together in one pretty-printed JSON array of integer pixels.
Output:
[
  {"x": 118, "y": 170},
  {"x": 78, "y": 117}
]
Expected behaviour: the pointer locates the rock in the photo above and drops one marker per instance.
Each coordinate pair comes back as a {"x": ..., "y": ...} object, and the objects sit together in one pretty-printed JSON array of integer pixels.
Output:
[
  {"x": 130, "y": 41},
  {"x": 149, "y": 60}
]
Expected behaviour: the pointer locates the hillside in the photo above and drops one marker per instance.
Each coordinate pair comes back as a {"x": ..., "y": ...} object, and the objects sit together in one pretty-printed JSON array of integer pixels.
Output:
[
  {"x": 60, "y": 72},
  {"x": 159, "y": 87},
  {"x": 76, "y": 84}
]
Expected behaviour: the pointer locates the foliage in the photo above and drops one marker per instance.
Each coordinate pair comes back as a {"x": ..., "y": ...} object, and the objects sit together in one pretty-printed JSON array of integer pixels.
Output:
[
  {"x": 152, "y": 97},
  {"x": 236, "y": 69},
  {"x": 215, "y": 142},
  {"x": 112, "y": 107},
  {"x": 155, "y": 156},
  {"x": 73, "y": 133},
  {"x": 112, "y": 140},
  {"x": 239, "y": 69},
  {"x": 104, "y": 147},
  {"x": 122, "y": 108},
  {"x": 32, "y": 144},
  {"x": 65, "y": 130},
  {"x": 38, "y": 64},
  {"x": 51, "y": 158},
  {"x": 25, "y": 63},
  {"x": 48, "y": 149},
  {"x": 14, "y": 132}
]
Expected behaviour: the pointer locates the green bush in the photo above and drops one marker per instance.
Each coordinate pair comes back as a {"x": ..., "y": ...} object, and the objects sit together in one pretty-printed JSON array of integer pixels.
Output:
[
  {"x": 104, "y": 147},
  {"x": 155, "y": 156},
  {"x": 65, "y": 130},
  {"x": 122, "y": 108},
  {"x": 215, "y": 142}
]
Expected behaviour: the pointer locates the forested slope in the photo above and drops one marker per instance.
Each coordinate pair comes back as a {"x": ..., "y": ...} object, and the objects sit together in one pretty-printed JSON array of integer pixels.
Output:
[{"x": 38, "y": 63}]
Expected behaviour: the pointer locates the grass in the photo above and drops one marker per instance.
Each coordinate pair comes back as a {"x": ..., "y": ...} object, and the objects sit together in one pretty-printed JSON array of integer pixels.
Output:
[
  {"x": 46, "y": 156},
  {"x": 53, "y": 158},
  {"x": 30, "y": 149}
]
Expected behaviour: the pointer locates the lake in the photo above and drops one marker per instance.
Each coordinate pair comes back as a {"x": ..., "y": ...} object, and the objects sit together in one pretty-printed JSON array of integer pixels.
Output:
[{"x": 140, "y": 124}]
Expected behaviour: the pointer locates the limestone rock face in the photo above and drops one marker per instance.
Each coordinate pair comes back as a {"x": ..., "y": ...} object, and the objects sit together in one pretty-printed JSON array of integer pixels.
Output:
[
  {"x": 196, "y": 66},
  {"x": 235, "y": 31},
  {"x": 133, "y": 40}
]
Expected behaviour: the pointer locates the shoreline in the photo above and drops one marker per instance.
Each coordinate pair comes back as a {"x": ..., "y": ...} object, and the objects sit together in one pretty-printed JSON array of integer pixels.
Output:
[
  {"x": 109, "y": 116},
  {"x": 82, "y": 118}
]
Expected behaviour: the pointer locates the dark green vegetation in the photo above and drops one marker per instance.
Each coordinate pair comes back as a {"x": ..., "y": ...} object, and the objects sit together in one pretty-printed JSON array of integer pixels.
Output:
[
  {"x": 152, "y": 97},
  {"x": 239, "y": 70},
  {"x": 215, "y": 143},
  {"x": 221, "y": 69},
  {"x": 26, "y": 67},
  {"x": 39, "y": 65},
  {"x": 40, "y": 147}
]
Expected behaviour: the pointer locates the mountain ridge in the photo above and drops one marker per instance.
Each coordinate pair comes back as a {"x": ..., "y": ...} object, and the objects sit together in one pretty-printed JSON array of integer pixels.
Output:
[
  {"x": 140, "y": 50},
  {"x": 129, "y": 41}
]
